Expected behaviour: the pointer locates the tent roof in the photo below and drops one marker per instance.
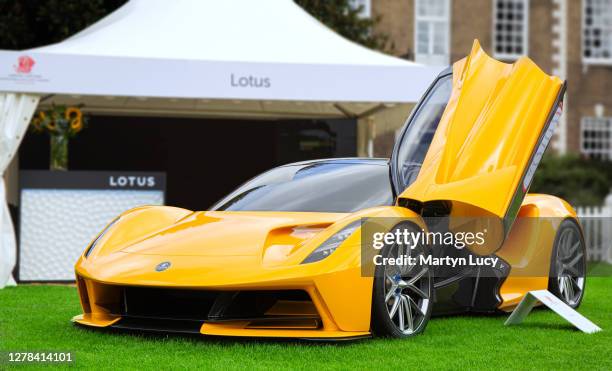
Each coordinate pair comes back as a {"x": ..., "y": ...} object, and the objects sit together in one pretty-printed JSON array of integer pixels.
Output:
[
  {"x": 271, "y": 31},
  {"x": 208, "y": 49}
]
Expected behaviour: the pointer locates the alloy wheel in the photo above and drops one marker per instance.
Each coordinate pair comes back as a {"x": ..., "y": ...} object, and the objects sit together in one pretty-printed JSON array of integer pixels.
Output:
[{"x": 407, "y": 290}]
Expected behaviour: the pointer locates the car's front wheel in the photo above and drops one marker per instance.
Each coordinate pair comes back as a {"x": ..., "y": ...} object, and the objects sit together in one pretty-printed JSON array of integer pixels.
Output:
[{"x": 402, "y": 295}]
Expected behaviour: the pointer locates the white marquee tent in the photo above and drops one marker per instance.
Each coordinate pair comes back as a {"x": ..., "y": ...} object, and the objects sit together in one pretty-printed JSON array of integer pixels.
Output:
[{"x": 244, "y": 58}]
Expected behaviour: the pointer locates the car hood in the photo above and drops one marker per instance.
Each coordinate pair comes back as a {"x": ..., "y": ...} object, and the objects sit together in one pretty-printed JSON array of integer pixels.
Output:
[{"x": 226, "y": 233}]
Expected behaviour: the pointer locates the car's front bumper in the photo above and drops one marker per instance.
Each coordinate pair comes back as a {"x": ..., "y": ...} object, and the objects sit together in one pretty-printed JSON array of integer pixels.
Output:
[{"x": 336, "y": 300}]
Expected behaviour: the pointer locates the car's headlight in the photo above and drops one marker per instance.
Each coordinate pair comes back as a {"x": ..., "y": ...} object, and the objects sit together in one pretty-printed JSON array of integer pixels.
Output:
[
  {"x": 331, "y": 244},
  {"x": 95, "y": 242}
]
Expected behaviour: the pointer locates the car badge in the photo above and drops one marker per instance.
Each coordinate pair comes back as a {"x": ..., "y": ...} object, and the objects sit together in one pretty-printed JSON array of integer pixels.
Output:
[{"x": 162, "y": 266}]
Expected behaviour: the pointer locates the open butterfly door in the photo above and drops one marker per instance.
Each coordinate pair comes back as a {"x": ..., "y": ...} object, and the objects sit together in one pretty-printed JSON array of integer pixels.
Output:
[{"x": 473, "y": 143}]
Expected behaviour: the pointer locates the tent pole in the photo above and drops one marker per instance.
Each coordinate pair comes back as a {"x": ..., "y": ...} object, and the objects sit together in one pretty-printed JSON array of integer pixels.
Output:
[{"x": 345, "y": 111}]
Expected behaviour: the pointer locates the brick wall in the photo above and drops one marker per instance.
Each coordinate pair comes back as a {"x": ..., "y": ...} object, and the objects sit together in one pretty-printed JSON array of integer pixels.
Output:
[
  {"x": 397, "y": 21},
  {"x": 540, "y": 34},
  {"x": 587, "y": 85},
  {"x": 470, "y": 19}
]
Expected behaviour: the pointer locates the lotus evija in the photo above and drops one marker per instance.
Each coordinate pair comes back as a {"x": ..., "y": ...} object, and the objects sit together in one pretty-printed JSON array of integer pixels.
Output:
[{"x": 281, "y": 256}]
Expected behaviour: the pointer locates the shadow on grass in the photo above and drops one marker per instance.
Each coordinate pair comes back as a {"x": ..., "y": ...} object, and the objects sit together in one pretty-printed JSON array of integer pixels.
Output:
[
  {"x": 153, "y": 335},
  {"x": 546, "y": 326},
  {"x": 156, "y": 335}
]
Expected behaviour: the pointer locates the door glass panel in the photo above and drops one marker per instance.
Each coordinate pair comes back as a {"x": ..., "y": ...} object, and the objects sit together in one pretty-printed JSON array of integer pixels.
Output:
[{"x": 421, "y": 129}]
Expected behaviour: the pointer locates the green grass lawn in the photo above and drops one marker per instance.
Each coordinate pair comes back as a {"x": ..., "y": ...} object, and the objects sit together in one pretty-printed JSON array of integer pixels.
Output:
[{"x": 37, "y": 318}]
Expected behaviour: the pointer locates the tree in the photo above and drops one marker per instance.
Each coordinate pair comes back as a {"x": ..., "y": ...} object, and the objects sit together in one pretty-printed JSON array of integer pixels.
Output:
[
  {"x": 346, "y": 20},
  {"x": 579, "y": 181},
  {"x": 27, "y": 24}
]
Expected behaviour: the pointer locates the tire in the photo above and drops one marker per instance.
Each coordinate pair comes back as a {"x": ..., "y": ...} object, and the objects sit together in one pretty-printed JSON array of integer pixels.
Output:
[
  {"x": 567, "y": 277},
  {"x": 402, "y": 298}
]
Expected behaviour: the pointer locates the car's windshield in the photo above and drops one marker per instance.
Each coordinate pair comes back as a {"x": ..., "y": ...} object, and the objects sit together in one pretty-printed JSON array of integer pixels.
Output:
[
  {"x": 420, "y": 131},
  {"x": 334, "y": 186}
]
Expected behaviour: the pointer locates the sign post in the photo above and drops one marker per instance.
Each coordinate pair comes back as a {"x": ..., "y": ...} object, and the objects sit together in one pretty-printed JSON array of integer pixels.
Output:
[{"x": 547, "y": 298}]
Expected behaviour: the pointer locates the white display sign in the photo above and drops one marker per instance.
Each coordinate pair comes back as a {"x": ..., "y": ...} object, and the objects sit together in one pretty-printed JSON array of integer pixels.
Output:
[
  {"x": 57, "y": 225},
  {"x": 62, "y": 211},
  {"x": 551, "y": 301}
]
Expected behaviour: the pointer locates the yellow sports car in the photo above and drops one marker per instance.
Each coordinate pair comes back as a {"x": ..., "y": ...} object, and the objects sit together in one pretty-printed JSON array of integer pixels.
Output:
[{"x": 283, "y": 255}]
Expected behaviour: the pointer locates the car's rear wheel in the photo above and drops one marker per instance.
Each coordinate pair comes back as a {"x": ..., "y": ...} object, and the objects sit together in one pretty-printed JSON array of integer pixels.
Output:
[
  {"x": 402, "y": 295},
  {"x": 568, "y": 264}
]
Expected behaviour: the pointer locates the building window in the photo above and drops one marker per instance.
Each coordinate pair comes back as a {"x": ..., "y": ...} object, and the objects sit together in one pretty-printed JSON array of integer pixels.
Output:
[
  {"x": 366, "y": 10},
  {"x": 510, "y": 28},
  {"x": 596, "y": 137},
  {"x": 597, "y": 31},
  {"x": 431, "y": 34}
]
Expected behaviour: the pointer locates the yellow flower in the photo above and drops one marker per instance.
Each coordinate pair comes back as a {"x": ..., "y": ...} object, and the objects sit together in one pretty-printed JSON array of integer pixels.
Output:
[
  {"x": 36, "y": 124},
  {"x": 72, "y": 113},
  {"x": 42, "y": 115},
  {"x": 76, "y": 124},
  {"x": 51, "y": 126}
]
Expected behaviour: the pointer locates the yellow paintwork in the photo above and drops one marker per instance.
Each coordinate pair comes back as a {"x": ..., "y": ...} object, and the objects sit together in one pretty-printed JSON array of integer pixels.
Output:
[
  {"x": 206, "y": 253},
  {"x": 483, "y": 143},
  {"x": 486, "y": 135},
  {"x": 528, "y": 247}
]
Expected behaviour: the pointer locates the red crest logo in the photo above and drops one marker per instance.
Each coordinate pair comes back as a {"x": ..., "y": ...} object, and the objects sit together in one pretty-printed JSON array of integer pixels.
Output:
[{"x": 24, "y": 64}]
